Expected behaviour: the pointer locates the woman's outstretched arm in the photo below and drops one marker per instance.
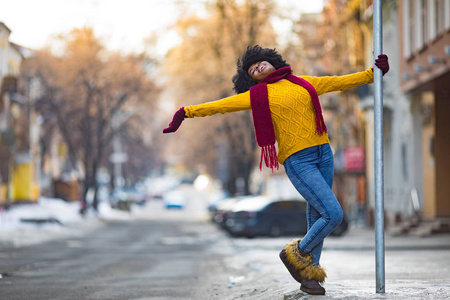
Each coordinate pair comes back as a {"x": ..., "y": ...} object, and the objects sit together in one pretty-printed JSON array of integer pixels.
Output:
[
  {"x": 226, "y": 105},
  {"x": 326, "y": 84}
]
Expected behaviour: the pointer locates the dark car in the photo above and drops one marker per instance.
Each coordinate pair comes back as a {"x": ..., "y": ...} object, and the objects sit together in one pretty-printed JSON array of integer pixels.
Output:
[
  {"x": 223, "y": 209},
  {"x": 265, "y": 216},
  {"x": 259, "y": 216}
]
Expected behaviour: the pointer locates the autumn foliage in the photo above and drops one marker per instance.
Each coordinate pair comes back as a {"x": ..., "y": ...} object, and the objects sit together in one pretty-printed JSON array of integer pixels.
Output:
[
  {"x": 83, "y": 90},
  {"x": 200, "y": 70}
]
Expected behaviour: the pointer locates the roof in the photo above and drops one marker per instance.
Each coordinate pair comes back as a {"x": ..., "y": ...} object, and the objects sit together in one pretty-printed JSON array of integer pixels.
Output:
[
  {"x": 24, "y": 51},
  {"x": 4, "y": 25}
]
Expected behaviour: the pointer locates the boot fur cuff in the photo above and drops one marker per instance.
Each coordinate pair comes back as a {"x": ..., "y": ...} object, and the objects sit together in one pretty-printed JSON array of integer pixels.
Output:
[{"x": 303, "y": 263}]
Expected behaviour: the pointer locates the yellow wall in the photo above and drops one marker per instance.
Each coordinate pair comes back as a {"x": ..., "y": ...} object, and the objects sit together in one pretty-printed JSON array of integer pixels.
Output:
[
  {"x": 3, "y": 194},
  {"x": 428, "y": 159},
  {"x": 23, "y": 187},
  {"x": 442, "y": 103}
]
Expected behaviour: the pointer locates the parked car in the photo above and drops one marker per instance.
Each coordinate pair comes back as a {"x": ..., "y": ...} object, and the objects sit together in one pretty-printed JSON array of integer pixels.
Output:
[
  {"x": 268, "y": 216},
  {"x": 119, "y": 200},
  {"x": 259, "y": 216},
  {"x": 222, "y": 209},
  {"x": 160, "y": 185},
  {"x": 215, "y": 200},
  {"x": 123, "y": 198},
  {"x": 136, "y": 195},
  {"x": 174, "y": 199}
]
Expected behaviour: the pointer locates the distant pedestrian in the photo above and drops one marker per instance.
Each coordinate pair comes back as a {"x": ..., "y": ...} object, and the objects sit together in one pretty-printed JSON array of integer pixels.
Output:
[{"x": 286, "y": 110}]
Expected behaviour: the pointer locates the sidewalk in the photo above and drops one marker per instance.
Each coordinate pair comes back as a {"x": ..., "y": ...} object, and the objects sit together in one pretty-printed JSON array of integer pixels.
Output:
[{"x": 415, "y": 268}]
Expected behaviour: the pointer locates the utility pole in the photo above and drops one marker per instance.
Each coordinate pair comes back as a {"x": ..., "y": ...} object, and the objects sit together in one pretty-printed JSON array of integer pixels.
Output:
[
  {"x": 119, "y": 157},
  {"x": 379, "y": 181}
]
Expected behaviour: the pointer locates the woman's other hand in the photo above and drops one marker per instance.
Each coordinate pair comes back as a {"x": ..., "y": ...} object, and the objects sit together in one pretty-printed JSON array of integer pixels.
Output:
[
  {"x": 382, "y": 63},
  {"x": 178, "y": 118}
]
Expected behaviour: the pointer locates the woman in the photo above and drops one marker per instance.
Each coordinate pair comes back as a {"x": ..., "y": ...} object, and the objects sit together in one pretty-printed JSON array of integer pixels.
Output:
[{"x": 286, "y": 110}]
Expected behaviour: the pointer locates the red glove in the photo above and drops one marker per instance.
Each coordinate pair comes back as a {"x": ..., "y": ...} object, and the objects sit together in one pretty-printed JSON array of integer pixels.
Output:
[
  {"x": 178, "y": 118},
  {"x": 382, "y": 63}
]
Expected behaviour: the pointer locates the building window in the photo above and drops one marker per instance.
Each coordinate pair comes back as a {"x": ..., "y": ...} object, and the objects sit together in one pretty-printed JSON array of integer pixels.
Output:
[
  {"x": 412, "y": 26},
  {"x": 416, "y": 13},
  {"x": 439, "y": 16},
  {"x": 407, "y": 42},
  {"x": 424, "y": 21},
  {"x": 447, "y": 14},
  {"x": 431, "y": 22}
]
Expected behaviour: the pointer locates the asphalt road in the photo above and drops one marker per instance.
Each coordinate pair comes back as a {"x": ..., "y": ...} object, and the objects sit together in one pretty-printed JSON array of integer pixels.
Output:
[
  {"x": 139, "y": 259},
  {"x": 177, "y": 254}
]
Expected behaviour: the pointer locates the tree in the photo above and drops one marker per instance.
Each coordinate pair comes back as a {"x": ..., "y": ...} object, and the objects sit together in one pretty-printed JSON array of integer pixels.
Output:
[
  {"x": 200, "y": 70},
  {"x": 83, "y": 89}
]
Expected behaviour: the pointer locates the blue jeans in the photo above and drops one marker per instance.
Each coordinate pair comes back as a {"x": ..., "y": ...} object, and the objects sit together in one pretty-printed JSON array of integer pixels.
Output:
[{"x": 311, "y": 172}]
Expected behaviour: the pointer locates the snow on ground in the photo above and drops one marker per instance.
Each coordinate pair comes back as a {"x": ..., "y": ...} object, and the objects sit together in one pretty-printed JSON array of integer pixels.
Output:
[{"x": 50, "y": 218}]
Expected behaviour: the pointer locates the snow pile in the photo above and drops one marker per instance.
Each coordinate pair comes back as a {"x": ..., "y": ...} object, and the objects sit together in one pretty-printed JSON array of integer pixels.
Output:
[
  {"x": 50, "y": 218},
  {"x": 45, "y": 209}
]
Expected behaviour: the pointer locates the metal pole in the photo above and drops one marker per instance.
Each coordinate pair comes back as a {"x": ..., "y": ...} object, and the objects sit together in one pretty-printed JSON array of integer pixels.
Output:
[{"x": 378, "y": 115}]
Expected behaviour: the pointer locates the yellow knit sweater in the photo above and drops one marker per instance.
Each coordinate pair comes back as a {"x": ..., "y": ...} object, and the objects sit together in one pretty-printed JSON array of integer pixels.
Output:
[{"x": 291, "y": 107}]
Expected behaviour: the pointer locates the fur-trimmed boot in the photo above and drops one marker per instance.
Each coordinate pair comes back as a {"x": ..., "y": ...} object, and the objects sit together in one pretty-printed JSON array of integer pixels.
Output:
[
  {"x": 312, "y": 287},
  {"x": 300, "y": 265}
]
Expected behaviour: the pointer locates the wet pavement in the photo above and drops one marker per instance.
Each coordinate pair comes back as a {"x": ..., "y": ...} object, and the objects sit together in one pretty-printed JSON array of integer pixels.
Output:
[{"x": 133, "y": 261}]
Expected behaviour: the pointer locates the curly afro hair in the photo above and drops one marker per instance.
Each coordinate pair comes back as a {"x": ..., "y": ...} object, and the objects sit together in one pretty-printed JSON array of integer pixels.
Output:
[{"x": 241, "y": 80}]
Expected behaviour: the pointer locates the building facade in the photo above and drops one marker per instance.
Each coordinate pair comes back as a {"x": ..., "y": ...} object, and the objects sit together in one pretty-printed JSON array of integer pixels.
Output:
[
  {"x": 18, "y": 128},
  {"x": 416, "y": 103},
  {"x": 424, "y": 76}
]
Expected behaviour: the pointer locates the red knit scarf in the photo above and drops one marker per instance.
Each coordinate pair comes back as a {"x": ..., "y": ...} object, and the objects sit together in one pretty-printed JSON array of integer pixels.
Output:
[{"x": 262, "y": 119}]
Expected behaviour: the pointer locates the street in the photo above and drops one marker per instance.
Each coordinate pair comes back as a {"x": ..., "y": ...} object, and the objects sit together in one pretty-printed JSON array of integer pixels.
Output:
[
  {"x": 122, "y": 260},
  {"x": 153, "y": 254},
  {"x": 179, "y": 254}
]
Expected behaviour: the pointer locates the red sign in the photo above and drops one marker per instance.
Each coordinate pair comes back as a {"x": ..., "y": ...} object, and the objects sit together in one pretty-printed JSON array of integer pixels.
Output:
[{"x": 354, "y": 159}]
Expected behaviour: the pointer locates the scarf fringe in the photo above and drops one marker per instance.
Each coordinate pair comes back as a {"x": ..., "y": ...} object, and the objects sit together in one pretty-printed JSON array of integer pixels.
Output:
[
  {"x": 320, "y": 124},
  {"x": 269, "y": 156}
]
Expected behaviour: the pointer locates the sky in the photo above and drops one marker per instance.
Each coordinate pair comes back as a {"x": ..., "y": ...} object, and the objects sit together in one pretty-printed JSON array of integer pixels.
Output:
[{"x": 123, "y": 25}]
